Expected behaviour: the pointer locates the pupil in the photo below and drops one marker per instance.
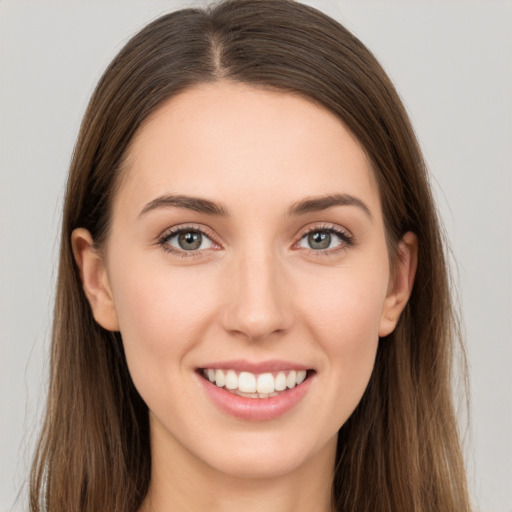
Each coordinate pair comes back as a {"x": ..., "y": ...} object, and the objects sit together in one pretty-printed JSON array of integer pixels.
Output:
[
  {"x": 319, "y": 240},
  {"x": 189, "y": 240}
]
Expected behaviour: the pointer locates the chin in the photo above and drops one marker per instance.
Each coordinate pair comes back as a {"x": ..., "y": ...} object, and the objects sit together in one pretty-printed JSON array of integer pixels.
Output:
[
  {"x": 266, "y": 457},
  {"x": 259, "y": 466}
]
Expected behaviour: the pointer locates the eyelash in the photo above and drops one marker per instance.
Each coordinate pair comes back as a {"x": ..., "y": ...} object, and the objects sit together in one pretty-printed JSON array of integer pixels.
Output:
[
  {"x": 347, "y": 239},
  {"x": 163, "y": 241}
]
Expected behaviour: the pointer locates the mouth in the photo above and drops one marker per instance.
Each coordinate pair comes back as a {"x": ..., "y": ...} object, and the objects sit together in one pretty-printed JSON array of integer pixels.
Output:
[
  {"x": 256, "y": 391},
  {"x": 255, "y": 385}
]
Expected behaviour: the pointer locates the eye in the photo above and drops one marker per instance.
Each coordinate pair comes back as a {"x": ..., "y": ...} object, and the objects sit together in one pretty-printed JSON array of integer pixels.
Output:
[
  {"x": 185, "y": 240},
  {"x": 324, "y": 239}
]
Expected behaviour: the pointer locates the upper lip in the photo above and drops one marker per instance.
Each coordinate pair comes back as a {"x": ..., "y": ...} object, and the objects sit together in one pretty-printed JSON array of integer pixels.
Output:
[{"x": 242, "y": 365}]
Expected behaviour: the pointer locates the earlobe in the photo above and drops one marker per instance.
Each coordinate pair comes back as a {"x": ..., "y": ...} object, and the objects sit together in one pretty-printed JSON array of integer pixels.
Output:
[
  {"x": 95, "y": 282},
  {"x": 401, "y": 283}
]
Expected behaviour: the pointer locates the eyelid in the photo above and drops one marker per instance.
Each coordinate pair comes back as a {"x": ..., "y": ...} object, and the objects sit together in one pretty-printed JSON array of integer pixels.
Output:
[
  {"x": 343, "y": 233},
  {"x": 175, "y": 230}
]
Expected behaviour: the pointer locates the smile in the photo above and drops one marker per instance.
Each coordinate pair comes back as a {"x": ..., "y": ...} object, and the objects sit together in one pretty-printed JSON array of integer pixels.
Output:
[
  {"x": 256, "y": 391},
  {"x": 251, "y": 385}
]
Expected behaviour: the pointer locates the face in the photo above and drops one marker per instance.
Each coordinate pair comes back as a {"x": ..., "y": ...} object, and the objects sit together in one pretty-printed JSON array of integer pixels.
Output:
[{"x": 248, "y": 272}]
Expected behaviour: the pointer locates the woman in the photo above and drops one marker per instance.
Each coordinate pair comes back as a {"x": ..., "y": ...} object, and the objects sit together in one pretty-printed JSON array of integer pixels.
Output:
[{"x": 252, "y": 306}]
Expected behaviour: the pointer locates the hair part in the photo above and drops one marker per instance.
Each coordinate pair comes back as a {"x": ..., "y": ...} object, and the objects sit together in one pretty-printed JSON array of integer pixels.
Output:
[{"x": 400, "y": 449}]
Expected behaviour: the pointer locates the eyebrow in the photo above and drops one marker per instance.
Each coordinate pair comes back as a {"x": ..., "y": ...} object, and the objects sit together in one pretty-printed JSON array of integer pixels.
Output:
[
  {"x": 195, "y": 204},
  {"x": 307, "y": 205},
  {"x": 317, "y": 204}
]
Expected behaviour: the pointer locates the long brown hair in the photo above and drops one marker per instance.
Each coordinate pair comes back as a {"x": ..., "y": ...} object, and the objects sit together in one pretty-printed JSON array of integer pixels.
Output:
[{"x": 399, "y": 451}]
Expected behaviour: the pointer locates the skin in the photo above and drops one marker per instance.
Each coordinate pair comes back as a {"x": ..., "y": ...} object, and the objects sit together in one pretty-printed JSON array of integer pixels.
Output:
[{"x": 257, "y": 292}]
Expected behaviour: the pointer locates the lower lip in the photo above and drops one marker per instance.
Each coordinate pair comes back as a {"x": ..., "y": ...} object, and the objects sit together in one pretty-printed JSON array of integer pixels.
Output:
[{"x": 256, "y": 409}]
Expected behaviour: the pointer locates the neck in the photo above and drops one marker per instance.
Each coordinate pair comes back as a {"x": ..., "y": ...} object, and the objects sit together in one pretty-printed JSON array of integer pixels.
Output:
[{"x": 182, "y": 483}]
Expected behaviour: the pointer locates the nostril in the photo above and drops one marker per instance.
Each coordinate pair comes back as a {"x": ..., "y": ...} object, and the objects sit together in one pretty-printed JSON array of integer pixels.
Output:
[{"x": 257, "y": 307}]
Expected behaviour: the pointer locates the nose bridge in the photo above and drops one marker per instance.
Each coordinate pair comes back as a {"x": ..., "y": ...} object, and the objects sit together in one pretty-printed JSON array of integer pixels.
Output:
[{"x": 258, "y": 303}]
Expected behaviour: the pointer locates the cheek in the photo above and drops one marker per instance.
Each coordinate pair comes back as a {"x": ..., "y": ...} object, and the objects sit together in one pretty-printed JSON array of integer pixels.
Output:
[
  {"x": 344, "y": 319},
  {"x": 161, "y": 316},
  {"x": 346, "y": 306}
]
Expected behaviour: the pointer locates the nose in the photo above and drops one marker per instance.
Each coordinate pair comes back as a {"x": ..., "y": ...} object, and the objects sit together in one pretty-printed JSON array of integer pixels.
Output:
[{"x": 258, "y": 305}]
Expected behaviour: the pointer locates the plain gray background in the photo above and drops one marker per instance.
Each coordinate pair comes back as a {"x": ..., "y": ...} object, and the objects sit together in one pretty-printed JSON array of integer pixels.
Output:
[{"x": 451, "y": 63}]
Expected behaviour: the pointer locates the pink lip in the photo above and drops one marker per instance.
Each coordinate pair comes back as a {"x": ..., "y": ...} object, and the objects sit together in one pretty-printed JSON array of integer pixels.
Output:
[
  {"x": 241, "y": 365},
  {"x": 255, "y": 409}
]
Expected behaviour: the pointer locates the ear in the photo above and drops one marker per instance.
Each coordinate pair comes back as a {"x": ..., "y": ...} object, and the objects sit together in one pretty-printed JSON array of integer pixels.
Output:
[
  {"x": 93, "y": 274},
  {"x": 401, "y": 283}
]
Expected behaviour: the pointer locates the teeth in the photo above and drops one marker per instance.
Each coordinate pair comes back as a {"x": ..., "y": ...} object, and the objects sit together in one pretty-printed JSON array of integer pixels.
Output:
[
  {"x": 291, "y": 380},
  {"x": 263, "y": 385},
  {"x": 231, "y": 379},
  {"x": 247, "y": 395},
  {"x": 246, "y": 382},
  {"x": 280, "y": 382},
  {"x": 220, "y": 378}
]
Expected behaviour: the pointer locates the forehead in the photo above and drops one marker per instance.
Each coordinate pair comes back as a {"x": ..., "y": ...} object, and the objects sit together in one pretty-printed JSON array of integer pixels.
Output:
[{"x": 234, "y": 142}]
